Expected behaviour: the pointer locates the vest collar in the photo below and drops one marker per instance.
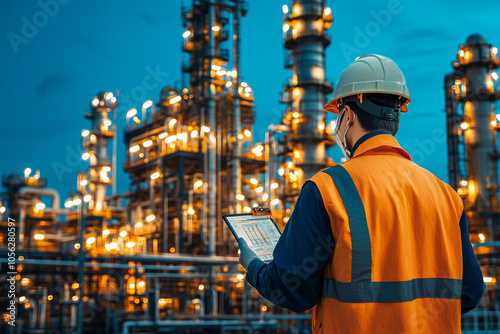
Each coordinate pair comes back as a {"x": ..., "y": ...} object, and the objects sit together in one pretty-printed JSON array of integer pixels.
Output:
[{"x": 375, "y": 140}]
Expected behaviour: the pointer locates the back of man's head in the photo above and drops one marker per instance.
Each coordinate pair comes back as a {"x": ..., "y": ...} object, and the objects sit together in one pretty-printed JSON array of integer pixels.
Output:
[{"x": 372, "y": 123}]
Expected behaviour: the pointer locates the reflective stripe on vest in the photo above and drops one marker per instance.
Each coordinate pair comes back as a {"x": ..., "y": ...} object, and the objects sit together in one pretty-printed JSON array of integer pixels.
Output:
[{"x": 362, "y": 289}]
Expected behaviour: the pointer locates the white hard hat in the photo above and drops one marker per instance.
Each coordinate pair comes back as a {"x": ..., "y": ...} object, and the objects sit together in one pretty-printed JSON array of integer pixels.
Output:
[{"x": 370, "y": 74}]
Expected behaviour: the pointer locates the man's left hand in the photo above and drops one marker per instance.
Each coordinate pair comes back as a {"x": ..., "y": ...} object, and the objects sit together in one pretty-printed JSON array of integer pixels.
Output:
[{"x": 246, "y": 254}]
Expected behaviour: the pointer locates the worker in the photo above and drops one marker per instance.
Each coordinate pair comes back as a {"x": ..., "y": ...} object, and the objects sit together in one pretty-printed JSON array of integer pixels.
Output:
[{"x": 375, "y": 244}]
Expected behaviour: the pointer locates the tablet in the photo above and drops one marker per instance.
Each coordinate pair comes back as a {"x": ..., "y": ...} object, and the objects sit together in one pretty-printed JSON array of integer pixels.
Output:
[{"x": 260, "y": 232}]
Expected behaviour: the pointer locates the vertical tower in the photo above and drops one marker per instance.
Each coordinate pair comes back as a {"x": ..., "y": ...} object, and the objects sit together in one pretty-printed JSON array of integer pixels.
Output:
[
  {"x": 471, "y": 93},
  {"x": 302, "y": 137},
  {"x": 95, "y": 144},
  {"x": 305, "y": 39}
]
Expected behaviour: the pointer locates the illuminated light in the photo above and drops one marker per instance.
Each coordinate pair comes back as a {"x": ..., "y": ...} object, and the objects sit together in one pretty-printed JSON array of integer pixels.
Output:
[
  {"x": 131, "y": 244},
  {"x": 77, "y": 246},
  {"x": 2, "y": 209},
  {"x": 494, "y": 50},
  {"x": 464, "y": 183},
  {"x": 229, "y": 84},
  {"x": 27, "y": 305},
  {"x": 50, "y": 297},
  {"x": 40, "y": 206},
  {"x": 155, "y": 175},
  {"x": 205, "y": 129},
  {"x": 286, "y": 219},
  {"x": 487, "y": 279},
  {"x": 247, "y": 89},
  {"x": 105, "y": 179},
  {"x": 290, "y": 164},
  {"x": 87, "y": 198},
  {"x": 106, "y": 122},
  {"x": 259, "y": 189},
  {"x": 265, "y": 197},
  {"x": 105, "y": 232},
  {"x": 481, "y": 237},
  {"x": 494, "y": 75},
  {"x": 201, "y": 287},
  {"x": 244, "y": 84},
  {"x": 221, "y": 73},
  {"x": 77, "y": 201},
  {"x": 247, "y": 133},
  {"x": 27, "y": 171},
  {"x": 95, "y": 102},
  {"x": 137, "y": 120},
  {"x": 86, "y": 156},
  {"x": 264, "y": 308},
  {"x": 467, "y": 55},
  {"x": 90, "y": 240},
  {"x": 163, "y": 135},
  {"x": 182, "y": 136},
  {"x": 274, "y": 185},
  {"x": 172, "y": 250},
  {"x": 113, "y": 99},
  {"x": 494, "y": 123},
  {"x": 296, "y": 114},
  {"x": 75, "y": 286},
  {"x": 131, "y": 113},
  {"x": 333, "y": 124},
  {"x": 240, "y": 136},
  {"x": 275, "y": 201},
  {"x": 147, "y": 143},
  {"x": 139, "y": 224},
  {"x": 240, "y": 276},
  {"x": 198, "y": 183},
  {"x": 39, "y": 236},
  {"x": 141, "y": 284},
  {"x": 134, "y": 149},
  {"x": 215, "y": 28},
  {"x": 113, "y": 245},
  {"x": 147, "y": 104},
  {"x": 123, "y": 234},
  {"x": 281, "y": 171},
  {"x": 285, "y": 9},
  {"x": 108, "y": 96},
  {"x": 247, "y": 209},
  {"x": 257, "y": 149},
  {"x": 106, "y": 169},
  {"x": 85, "y": 133},
  {"x": 191, "y": 210},
  {"x": 186, "y": 34},
  {"x": 175, "y": 99},
  {"x": 170, "y": 139},
  {"x": 172, "y": 122},
  {"x": 83, "y": 183},
  {"x": 150, "y": 218},
  {"x": 255, "y": 205},
  {"x": 68, "y": 204},
  {"x": 254, "y": 181},
  {"x": 464, "y": 125},
  {"x": 216, "y": 67},
  {"x": 240, "y": 197},
  {"x": 247, "y": 94},
  {"x": 328, "y": 11},
  {"x": 234, "y": 74},
  {"x": 461, "y": 53},
  {"x": 194, "y": 133},
  {"x": 497, "y": 117},
  {"x": 22, "y": 298},
  {"x": 25, "y": 281}
]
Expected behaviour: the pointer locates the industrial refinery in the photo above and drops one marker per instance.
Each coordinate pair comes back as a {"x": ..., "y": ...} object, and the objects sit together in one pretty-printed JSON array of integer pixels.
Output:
[{"x": 158, "y": 257}]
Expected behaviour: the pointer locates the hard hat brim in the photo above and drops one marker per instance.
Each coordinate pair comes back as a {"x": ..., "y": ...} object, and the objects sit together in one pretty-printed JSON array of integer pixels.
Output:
[{"x": 332, "y": 106}]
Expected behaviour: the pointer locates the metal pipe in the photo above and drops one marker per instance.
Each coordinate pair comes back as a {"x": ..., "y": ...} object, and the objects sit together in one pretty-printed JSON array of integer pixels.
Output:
[
  {"x": 211, "y": 137},
  {"x": 236, "y": 162},
  {"x": 42, "y": 191}
]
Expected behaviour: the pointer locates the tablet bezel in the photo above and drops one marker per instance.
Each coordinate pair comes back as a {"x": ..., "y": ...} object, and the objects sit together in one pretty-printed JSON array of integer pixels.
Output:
[{"x": 249, "y": 215}]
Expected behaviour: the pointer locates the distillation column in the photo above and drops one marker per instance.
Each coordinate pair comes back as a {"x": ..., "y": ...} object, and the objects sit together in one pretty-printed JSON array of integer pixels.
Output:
[
  {"x": 476, "y": 60},
  {"x": 305, "y": 36},
  {"x": 95, "y": 144}
]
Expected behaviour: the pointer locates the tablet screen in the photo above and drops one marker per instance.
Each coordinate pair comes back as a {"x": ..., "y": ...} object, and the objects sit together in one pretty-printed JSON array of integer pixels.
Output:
[{"x": 260, "y": 233}]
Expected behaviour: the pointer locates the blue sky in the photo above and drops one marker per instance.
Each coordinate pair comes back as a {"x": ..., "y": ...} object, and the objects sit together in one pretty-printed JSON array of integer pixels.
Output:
[{"x": 50, "y": 73}]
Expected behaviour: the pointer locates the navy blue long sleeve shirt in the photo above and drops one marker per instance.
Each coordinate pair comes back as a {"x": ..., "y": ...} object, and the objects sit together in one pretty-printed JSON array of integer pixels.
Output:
[{"x": 294, "y": 278}]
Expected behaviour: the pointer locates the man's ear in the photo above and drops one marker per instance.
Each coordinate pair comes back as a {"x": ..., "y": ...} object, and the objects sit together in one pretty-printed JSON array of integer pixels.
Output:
[{"x": 349, "y": 115}]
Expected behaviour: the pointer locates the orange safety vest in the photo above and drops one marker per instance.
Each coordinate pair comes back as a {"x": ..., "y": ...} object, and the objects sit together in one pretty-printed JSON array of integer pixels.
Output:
[{"x": 397, "y": 264}]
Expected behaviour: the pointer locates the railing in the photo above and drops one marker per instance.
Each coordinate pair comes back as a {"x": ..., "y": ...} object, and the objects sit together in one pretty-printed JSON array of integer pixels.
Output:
[{"x": 481, "y": 322}]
